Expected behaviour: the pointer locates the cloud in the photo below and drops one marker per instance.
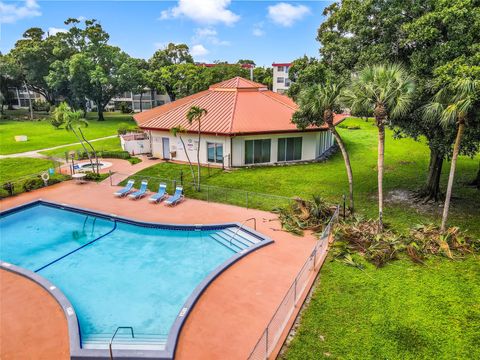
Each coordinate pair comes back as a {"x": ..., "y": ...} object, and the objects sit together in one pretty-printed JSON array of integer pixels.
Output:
[
  {"x": 258, "y": 30},
  {"x": 202, "y": 11},
  {"x": 55, "y": 31},
  {"x": 209, "y": 35},
  {"x": 286, "y": 14},
  {"x": 198, "y": 50},
  {"x": 10, "y": 13}
]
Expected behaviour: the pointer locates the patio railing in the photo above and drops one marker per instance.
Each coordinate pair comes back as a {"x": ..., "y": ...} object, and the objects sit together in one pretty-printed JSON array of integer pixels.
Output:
[{"x": 269, "y": 340}]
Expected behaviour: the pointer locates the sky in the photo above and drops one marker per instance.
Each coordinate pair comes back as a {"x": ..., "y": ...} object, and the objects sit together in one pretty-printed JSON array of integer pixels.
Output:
[{"x": 226, "y": 30}]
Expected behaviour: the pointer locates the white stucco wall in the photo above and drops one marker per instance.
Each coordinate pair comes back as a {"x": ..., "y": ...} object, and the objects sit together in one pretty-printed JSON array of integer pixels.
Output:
[
  {"x": 314, "y": 144},
  {"x": 190, "y": 141}
]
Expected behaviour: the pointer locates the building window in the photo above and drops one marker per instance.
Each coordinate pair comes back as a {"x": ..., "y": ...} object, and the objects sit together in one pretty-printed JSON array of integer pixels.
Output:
[
  {"x": 280, "y": 68},
  {"x": 286, "y": 69},
  {"x": 289, "y": 149},
  {"x": 257, "y": 151},
  {"x": 280, "y": 80},
  {"x": 215, "y": 152},
  {"x": 287, "y": 82}
]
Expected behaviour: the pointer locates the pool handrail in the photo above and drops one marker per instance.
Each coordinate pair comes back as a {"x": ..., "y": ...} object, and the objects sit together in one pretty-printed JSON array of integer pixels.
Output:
[
  {"x": 241, "y": 226},
  {"x": 115, "y": 334}
]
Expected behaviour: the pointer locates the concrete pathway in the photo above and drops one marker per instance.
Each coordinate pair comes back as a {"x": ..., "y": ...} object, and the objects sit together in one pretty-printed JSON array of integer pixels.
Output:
[{"x": 36, "y": 153}]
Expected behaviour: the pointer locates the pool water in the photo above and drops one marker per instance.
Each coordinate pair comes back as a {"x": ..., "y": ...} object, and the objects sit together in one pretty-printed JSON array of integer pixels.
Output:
[{"x": 131, "y": 276}]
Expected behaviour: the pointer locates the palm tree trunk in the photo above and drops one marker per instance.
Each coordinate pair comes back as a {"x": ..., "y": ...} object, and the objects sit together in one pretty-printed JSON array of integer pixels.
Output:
[
  {"x": 456, "y": 149},
  {"x": 84, "y": 148},
  {"x": 93, "y": 150},
  {"x": 198, "y": 157},
  {"x": 381, "y": 154},
  {"x": 189, "y": 163},
  {"x": 346, "y": 159}
]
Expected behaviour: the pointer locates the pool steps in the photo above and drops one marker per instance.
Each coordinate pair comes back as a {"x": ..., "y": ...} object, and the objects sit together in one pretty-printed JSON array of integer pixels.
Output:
[
  {"x": 125, "y": 342},
  {"x": 235, "y": 240}
]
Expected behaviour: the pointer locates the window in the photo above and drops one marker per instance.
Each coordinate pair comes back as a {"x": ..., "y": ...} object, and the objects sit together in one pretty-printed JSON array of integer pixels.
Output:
[
  {"x": 280, "y": 80},
  {"x": 280, "y": 68},
  {"x": 287, "y": 82},
  {"x": 289, "y": 149},
  {"x": 214, "y": 152},
  {"x": 286, "y": 69},
  {"x": 257, "y": 151}
]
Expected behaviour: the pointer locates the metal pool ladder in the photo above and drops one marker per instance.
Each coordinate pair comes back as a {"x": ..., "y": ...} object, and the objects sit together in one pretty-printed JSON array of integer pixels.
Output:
[
  {"x": 241, "y": 226},
  {"x": 113, "y": 337}
]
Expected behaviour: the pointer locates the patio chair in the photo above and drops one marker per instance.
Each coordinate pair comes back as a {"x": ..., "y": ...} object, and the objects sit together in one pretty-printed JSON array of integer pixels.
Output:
[
  {"x": 160, "y": 195},
  {"x": 175, "y": 198},
  {"x": 141, "y": 192},
  {"x": 125, "y": 190}
]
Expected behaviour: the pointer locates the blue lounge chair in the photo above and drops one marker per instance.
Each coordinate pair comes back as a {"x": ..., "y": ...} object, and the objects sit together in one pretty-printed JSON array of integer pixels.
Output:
[
  {"x": 125, "y": 190},
  {"x": 160, "y": 195},
  {"x": 175, "y": 198},
  {"x": 141, "y": 192}
]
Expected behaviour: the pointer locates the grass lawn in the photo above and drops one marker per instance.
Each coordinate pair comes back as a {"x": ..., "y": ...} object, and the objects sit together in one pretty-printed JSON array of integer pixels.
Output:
[
  {"x": 112, "y": 144},
  {"x": 41, "y": 134},
  {"x": 401, "y": 311},
  {"x": 16, "y": 170},
  {"x": 406, "y": 162}
]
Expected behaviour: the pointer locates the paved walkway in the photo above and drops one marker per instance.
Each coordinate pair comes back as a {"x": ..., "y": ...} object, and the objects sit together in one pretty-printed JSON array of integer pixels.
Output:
[
  {"x": 231, "y": 314},
  {"x": 36, "y": 153}
]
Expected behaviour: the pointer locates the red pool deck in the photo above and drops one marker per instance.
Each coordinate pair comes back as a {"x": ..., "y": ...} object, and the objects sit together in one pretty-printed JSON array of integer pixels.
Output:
[{"x": 230, "y": 315}]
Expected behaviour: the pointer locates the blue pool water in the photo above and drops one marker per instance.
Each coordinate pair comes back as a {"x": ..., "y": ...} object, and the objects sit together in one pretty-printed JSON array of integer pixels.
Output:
[{"x": 132, "y": 276}]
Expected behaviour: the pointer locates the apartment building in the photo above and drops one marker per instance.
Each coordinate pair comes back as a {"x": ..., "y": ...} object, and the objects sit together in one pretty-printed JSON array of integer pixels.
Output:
[
  {"x": 20, "y": 99},
  {"x": 281, "y": 82},
  {"x": 138, "y": 102}
]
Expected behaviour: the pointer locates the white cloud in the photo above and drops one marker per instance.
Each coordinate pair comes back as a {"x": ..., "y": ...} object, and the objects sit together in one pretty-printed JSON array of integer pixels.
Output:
[
  {"x": 209, "y": 35},
  {"x": 202, "y": 11},
  {"x": 286, "y": 14},
  {"x": 55, "y": 31},
  {"x": 198, "y": 50},
  {"x": 10, "y": 13},
  {"x": 258, "y": 29}
]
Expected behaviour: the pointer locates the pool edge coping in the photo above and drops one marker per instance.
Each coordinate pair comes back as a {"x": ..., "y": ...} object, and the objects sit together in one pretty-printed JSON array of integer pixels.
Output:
[{"x": 79, "y": 353}]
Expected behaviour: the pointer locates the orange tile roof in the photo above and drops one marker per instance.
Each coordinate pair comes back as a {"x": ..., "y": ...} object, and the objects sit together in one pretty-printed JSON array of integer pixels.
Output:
[{"x": 235, "y": 106}]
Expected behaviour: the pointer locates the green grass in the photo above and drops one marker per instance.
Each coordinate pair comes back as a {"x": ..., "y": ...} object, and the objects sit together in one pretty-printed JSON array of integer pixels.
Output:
[
  {"x": 41, "y": 134},
  {"x": 401, "y": 311},
  {"x": 406, "y": 162},
  {"x": 112, "y": 144},
  {"x": 17, "y": 170}
]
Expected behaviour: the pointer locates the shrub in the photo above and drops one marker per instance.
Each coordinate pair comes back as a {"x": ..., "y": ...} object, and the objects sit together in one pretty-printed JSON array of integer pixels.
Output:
[
  {"x": 40, "y": 105},
  {"x": 32, "y": 184},
  {"x": 9, "y": 188},
  {"x": 125, "y": 108}
]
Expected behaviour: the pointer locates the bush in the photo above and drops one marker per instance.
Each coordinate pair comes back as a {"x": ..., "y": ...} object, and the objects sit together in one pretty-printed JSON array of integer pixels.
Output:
[
  {"x": 32, "y": 184},
  {"x": 9, "y": 188},
  {"x": 125, "y": 108},
  {"x": 40, "y": 105}
]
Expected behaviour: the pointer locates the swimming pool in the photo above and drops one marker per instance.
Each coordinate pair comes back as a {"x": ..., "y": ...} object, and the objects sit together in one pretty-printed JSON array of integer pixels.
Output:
[{"x": 116, "y": 272}]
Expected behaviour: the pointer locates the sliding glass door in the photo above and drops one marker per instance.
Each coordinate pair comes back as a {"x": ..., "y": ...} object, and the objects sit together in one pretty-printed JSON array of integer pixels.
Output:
[
  {"x": 257, "y": 151},
  {"x": 289, "y": 149}
]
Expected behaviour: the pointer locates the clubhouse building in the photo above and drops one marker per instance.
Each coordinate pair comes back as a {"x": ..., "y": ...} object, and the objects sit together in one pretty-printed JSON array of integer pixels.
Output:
[{"x": 246, "y": 124}]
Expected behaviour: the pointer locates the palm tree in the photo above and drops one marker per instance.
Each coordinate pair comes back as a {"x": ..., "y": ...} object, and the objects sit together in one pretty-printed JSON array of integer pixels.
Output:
[
  {"x": 387, "y": 91},
  {"x": 317, "y": 104},
  {"x": 178, "y": 130},
  {"x": 195, "y": 113},
  {"x": 74, "y": 122},
  {"x": 451, "y": 106}
]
